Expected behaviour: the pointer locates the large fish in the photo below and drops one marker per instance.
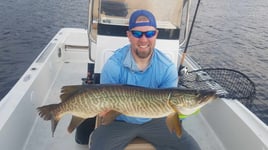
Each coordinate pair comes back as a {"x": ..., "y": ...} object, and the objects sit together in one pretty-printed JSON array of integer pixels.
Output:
[{"x": 86, "y": 101}]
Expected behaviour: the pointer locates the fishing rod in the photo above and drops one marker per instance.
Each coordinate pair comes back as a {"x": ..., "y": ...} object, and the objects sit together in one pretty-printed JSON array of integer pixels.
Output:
[{"x": 188, "y": 37}]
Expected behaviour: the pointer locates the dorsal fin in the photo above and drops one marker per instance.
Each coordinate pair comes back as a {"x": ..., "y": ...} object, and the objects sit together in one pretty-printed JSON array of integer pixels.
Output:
[{"x": 69, "y": 91}]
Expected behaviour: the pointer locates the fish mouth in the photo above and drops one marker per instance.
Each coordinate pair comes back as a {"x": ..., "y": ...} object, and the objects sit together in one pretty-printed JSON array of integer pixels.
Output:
[{"x": 207, "y": 96}]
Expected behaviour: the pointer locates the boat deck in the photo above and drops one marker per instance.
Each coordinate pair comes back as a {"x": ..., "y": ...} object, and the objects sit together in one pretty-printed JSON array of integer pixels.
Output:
[
  {"x": 222, "y": 124},
  {"x": 71, "y": 73}
]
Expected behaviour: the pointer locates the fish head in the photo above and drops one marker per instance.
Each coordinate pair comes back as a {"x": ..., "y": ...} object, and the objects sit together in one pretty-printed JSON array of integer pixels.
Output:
[{"x": 187, "y": 102}]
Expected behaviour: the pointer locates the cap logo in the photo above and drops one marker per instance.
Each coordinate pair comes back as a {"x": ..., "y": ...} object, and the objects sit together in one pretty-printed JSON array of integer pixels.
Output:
[{"x": 141, "y": 18}]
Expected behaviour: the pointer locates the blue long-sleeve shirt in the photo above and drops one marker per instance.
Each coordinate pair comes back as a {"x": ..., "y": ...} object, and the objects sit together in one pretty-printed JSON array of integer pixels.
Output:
[{"x": 121, "y": 68}]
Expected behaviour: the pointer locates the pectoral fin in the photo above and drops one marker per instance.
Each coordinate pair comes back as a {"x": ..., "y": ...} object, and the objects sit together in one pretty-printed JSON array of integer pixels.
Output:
[
  {"x": 109, "y": 116},
  {"x": 75, "y": 122},
  {"x": 173, "y": 124}
]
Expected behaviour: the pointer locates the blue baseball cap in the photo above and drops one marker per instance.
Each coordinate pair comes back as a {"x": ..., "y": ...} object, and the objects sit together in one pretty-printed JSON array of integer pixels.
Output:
[{"x": 134, "y": 16}]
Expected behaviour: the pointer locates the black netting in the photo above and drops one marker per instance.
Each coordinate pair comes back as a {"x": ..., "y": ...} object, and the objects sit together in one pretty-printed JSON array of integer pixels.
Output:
[{"x": 229, "y": 83}]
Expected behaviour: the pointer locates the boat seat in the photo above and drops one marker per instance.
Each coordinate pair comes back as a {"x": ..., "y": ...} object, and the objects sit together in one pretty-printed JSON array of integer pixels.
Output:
[{"x": 136, "y": 144}]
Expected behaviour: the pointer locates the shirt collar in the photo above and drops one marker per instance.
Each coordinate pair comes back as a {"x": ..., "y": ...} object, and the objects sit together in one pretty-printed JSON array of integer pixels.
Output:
[{"x": 131, "y": 64}]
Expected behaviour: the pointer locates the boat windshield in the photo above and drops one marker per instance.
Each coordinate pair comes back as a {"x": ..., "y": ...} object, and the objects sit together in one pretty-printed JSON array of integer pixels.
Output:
[{"x": 116, "y": 13}]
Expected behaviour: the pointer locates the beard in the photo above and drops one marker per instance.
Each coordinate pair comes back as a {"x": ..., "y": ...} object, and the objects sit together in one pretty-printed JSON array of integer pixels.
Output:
[{"x": 143, "y": 54}]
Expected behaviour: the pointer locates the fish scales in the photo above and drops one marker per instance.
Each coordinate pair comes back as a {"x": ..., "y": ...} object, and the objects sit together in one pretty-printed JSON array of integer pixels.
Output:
[
  {"x": 86, "y": 101},
  {"x": 129, "y": 100},
  {"x": 142, "y": 103}
]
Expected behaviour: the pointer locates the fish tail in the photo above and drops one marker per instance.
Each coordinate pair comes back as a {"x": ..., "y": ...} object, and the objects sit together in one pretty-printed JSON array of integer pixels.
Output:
[{"x": 47, "y": 113}]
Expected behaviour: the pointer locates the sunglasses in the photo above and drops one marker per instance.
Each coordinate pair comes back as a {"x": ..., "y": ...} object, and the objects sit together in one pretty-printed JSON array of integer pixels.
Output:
[{"x": 148, "y": 34}]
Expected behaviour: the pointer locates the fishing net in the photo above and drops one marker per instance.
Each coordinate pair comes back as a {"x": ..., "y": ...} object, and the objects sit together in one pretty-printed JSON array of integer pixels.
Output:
[{"x": 228, "y": 83}]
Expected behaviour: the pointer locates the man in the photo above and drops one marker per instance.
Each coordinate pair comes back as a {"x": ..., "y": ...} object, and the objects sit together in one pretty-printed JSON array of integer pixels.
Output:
[{"x": 141, "y": 64}]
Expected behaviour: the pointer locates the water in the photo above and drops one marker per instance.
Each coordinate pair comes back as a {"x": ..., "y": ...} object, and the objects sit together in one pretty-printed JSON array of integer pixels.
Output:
[
  {"x": 25, "y": 29},
  {"x": 233, "y": 34},
  {"x": 230, "y": 34}
]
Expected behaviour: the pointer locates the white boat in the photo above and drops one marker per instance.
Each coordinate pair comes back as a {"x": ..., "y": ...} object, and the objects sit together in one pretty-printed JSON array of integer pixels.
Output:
[{"x": 221, "y": 125}]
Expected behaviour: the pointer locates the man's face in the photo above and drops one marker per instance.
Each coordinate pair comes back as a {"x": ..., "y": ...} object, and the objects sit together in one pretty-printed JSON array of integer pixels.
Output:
[{"x": 142, "y": 47}]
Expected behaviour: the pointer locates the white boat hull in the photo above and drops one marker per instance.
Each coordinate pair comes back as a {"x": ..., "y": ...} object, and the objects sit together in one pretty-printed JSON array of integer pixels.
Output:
[{"x": 222, "y": 124}]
